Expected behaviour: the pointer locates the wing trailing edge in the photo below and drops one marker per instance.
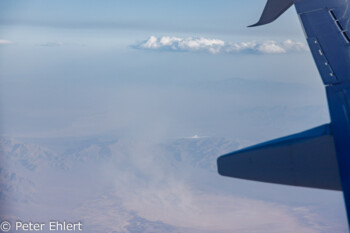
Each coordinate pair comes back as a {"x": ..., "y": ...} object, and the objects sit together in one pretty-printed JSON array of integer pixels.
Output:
[{"x": 306, "y": 159}]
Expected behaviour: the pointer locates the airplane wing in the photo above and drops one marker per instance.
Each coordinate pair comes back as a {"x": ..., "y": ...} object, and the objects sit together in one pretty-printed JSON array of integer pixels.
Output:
[
  {"x": 273, "y": 10},
  {"x": 306, "y": 159},
  {"x": 320, "y": 157}
]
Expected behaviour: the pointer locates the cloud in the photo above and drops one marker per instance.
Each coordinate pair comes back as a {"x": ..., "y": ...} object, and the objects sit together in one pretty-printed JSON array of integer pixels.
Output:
[
  {"x": 215, "y": 46},
  {"x": 5, "y": 42}
]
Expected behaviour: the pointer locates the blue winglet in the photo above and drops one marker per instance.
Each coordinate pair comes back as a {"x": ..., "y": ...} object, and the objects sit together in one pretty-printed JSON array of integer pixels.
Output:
[{"x": 273, "y": 10}]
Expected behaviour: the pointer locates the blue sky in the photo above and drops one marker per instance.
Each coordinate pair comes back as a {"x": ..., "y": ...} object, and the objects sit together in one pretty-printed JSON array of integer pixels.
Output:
[{"x": 66, "y": 62}]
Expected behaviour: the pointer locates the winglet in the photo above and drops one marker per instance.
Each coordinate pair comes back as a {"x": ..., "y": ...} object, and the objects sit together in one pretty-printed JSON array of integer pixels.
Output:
[{"x": 273, "y": 10}]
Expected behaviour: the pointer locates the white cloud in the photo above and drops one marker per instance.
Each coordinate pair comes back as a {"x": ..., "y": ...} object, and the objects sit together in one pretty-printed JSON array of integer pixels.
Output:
[
  {"x": 183, "y": 44},
  {"x": 294, "y": 45},
  {"x": 216, "y": 46},
  {"x": 5, "y": 42},
  {"x": 271, "y": 47}
]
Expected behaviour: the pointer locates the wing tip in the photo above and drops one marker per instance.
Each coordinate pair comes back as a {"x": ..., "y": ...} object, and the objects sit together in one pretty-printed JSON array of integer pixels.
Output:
[
  {"x": 273, "y": 9},
  {"x": 256, "y": 25}
]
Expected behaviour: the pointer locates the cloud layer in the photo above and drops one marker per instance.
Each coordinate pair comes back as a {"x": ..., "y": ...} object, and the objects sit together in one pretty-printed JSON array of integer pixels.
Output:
[
  {"x": 215, "y": 46},
  {"x": 5, "y": 42}
]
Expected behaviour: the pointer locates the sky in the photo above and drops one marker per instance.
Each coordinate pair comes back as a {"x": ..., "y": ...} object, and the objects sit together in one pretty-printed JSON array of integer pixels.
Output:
[
  {"x": 185, "y": 68},
  {"x": 157, "y": 70}
]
